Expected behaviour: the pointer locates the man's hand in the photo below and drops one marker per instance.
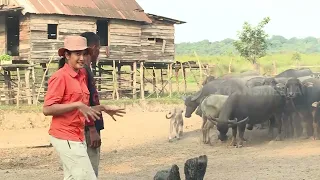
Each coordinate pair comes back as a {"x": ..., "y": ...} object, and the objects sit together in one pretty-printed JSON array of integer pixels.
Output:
[
  {"x": 111, "y": 111},
  {"x": 95, "y": 140}
]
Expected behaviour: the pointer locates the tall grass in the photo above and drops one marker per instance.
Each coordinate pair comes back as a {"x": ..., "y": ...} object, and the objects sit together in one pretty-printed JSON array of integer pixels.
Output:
[{"x": 239, "y": 64}]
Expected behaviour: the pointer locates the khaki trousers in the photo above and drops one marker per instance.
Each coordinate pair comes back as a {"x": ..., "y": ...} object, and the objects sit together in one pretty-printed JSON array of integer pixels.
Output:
[
  {"x": 74, "y": 158},
  {"x": 93, "y": 153}
]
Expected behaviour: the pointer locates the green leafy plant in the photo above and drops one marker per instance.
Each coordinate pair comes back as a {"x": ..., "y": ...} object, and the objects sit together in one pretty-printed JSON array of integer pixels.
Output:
[
  {"x": 252, "y": 43},
  {"x": 5, "y": 57}
]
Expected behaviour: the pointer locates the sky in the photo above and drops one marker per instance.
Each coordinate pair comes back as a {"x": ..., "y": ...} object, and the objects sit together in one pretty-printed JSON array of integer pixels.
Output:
[{"x": 216, "y": 20}]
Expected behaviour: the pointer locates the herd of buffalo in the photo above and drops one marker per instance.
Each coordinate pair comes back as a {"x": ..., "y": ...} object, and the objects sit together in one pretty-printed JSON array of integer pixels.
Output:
[{"x": 287, "y": 101}]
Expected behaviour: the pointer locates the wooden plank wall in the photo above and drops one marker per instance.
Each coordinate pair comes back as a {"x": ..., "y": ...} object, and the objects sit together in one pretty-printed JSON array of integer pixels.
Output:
[
  {"x": 2, "y": 35},
  {"x": 124, "y": 41},
  {"x": 24, "y": 36},
  {"x": 151, "y": 49},
  {"x": 43, "y": 48}
]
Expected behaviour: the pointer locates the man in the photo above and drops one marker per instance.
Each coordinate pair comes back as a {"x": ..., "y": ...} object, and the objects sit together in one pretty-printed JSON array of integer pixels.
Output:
[{"x": 92, "y": 130}]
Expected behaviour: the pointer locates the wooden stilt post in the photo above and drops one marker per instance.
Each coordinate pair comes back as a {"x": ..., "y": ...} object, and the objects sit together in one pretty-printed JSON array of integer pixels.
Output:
[
  {"x": 176, "y": 69},
  {"x": 7, "y": 84},
  {"x": 184, "y": 78},
  {"x": 100, "y": 75},
  {"x": 18, "y": 84},
  {"x": 34, "y": 97},
  {"x": 115, "y": 90},
  {"x": 27, "y": 80},
  {"x": 161, "y": 71},
  {"x": 134, "y": 85},
  {"x": 170, "y": 82},
  {"x": 119, "y": 79},
  {"x": 154, "y": 83},
  {"x": 141, "y": 81}
]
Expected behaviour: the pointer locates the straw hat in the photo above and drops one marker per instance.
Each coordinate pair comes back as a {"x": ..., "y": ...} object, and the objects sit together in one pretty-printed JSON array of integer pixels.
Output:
[{"x": 74, "y": 43}]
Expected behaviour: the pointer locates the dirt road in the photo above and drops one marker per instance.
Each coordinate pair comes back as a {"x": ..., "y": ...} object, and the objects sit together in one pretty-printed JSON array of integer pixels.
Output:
[{"x": 136, "y": 146}]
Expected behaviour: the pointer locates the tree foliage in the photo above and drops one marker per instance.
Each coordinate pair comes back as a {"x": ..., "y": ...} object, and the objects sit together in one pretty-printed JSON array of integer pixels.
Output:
[
  {"x": 276, "y": 45},
  {"x": 252, "y": 43}
]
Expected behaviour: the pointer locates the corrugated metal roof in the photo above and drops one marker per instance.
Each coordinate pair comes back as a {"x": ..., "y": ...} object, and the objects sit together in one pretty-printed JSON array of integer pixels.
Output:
[
  {"x": 162, "y": 18},
  {"x": 112, "y": 9}
]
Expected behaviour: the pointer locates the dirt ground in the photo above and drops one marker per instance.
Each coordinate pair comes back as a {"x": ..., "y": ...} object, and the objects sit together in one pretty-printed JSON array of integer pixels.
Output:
[{"x": 136, "y": 147}]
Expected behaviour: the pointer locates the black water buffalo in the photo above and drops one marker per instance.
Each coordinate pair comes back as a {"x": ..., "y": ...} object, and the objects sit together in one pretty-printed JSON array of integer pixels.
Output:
[
  {"x": 295, "y": 73},
  {"x": 302, "y": 93},
  {"x": 217, "y": 86},
  {"x": 257, "y": 105},
  {"x": 208, "y": 79}
]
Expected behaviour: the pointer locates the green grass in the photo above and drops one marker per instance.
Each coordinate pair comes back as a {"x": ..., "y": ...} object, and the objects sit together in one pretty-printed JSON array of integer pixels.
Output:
[{"x": 283, "y": 62}]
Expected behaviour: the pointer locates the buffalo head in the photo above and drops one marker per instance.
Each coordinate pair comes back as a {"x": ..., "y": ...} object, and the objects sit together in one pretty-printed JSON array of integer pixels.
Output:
[
  {"x": 293, "y": 88},
  {"x": 223, "y": 127},
  {"x": 191, "y": 103}
]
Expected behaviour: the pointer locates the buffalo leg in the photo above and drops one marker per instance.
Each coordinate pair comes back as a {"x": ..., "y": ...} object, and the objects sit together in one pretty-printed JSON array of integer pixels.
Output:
[
  {"x": 304, "y": 123},
  {"x": 271, "y": 127},
  {"x": 315, "y": 123},
  {"x": 204, "y": 128},
  {"x": 290, "y": 127},
  {"x": 241, "y": 128},
  {"x": 204, "y": 121},
  {"x": 295, "y": 121},
  {"x": 234, "y": 136},
  {"x": 278, "y": 118}
]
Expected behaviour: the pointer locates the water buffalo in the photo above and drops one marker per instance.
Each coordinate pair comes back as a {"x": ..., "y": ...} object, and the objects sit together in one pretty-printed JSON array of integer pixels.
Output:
[
  {"x": 210, "y": 108},
  {"x": 303, "y": 92},
  {"x": 295, "y": 73},
  {"x": 208, "y": 79},
  {"x": 217, "y": 86},
  {"x": 255, "y": 106}
]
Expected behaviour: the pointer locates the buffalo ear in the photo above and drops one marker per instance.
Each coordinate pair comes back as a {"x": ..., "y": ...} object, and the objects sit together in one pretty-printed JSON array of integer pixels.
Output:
[{"x": 183, "y": 98}]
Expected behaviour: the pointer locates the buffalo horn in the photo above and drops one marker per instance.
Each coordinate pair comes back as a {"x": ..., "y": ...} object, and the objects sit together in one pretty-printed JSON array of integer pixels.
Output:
[{"x": 239, "y": 122}]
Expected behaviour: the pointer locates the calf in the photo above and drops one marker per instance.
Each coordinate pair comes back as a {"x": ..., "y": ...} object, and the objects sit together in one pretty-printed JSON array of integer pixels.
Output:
[
  {"x": 176, "y": 122},
  {"x": 210, "y": 108}
]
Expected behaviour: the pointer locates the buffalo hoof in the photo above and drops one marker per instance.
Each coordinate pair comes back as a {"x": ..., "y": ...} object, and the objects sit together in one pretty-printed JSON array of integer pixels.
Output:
[
  {"x": 239, "y": 146},
  {"x": 278, "y": 138},
  {"x": 303, "y": 137},
  {"x": 233, "y": 144},
  {"x": 314, "y": 138}
]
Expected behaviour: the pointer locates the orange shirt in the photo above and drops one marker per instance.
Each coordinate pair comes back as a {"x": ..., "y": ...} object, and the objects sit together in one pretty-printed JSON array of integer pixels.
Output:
[{"x": 66, "y": 86}]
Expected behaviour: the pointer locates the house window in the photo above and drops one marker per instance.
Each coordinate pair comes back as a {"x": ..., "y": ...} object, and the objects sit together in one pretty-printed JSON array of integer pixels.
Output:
[
  {"x": 103, "y": 32},
  {"x": 159, "y": 40},
  {"x": 52, "y": 31}
]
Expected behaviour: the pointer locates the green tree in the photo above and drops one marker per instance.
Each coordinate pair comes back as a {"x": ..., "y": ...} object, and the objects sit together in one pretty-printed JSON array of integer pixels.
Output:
[
  {"x": 252, "y": 43},
  {"x": 296, "y": 57}
]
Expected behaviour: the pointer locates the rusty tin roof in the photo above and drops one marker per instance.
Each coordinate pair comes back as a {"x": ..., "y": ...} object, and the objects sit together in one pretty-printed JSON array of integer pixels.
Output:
[{"x": 112, "y": 9}]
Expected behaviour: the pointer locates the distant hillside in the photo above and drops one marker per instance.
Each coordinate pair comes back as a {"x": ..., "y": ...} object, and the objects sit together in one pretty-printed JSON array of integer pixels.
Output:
[{"x": 277, "y": 44}]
